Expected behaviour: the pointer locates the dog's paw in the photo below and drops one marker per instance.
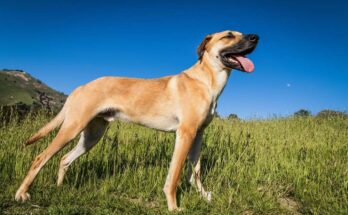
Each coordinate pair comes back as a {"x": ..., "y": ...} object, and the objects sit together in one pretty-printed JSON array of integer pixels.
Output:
[
  {"x": 208, "y": 196},
  {"x": 22, "y": 196},
  {"x": 180, "y": 209}
]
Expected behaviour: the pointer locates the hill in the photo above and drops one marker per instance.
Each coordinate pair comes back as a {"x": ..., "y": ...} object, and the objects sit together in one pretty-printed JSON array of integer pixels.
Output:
[{"x": 18, "y": 87}]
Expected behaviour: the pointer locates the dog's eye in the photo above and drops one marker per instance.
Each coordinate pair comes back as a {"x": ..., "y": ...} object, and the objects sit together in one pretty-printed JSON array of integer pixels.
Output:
[{"x": 228, "y": 36}]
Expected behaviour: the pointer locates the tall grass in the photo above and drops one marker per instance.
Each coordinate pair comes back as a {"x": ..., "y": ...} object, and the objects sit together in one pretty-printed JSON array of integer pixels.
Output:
[{"x": 277, "y": 166}]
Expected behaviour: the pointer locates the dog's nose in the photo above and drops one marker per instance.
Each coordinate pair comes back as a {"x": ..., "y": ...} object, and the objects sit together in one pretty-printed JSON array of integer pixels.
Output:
[{"x": 252, "y": 38}]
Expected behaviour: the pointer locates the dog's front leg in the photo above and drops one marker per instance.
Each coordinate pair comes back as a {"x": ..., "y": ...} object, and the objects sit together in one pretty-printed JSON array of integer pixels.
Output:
[
  {"x": 184, "y": 139},
  {"x": 195, "y": 166}
]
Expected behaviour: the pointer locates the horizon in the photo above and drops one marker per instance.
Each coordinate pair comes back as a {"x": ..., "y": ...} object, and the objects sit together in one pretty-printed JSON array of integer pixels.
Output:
[
  {"x": 299, "y": 62},
  {"x": 251, "y": 118}
]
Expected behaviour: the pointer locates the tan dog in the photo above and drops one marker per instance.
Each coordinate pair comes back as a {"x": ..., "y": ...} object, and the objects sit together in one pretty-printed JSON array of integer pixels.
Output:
[{"x": 184, "y": 103}]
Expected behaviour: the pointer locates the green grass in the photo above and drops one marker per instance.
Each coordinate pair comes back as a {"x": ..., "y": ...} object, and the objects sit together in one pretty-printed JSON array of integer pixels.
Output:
[{"x": 250, "y": 166}]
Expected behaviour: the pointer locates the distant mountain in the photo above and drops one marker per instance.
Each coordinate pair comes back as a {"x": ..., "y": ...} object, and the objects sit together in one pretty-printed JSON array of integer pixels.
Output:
[{"x": 19, "y": 88}]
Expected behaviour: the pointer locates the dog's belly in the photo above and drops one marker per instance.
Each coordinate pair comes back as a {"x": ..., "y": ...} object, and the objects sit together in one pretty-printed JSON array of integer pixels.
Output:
[
  {"x": 159, "y": 122},
  {"x": 163, "y": 123}
]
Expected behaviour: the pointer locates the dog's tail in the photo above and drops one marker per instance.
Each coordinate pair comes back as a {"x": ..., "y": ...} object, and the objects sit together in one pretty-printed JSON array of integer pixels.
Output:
[{"x": 54, "y": 123}]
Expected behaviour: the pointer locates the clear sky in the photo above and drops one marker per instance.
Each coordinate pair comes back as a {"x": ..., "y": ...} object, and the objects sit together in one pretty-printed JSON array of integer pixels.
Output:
[{"x": 300, "y": 61}]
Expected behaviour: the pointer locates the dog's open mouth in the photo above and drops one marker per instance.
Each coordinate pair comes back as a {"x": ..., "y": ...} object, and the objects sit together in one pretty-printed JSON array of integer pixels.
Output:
[
  {"x": 239, "y": 62},
  {"x": 234, "y": 56}
]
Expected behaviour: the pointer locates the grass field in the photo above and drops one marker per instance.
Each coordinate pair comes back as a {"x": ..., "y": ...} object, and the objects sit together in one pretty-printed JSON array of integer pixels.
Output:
[{"x": 276, "y": 166}]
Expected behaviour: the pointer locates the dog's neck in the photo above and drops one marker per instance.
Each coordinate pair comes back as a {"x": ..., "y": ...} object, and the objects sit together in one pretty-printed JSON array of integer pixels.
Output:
[{"x": 210, "y": 72}]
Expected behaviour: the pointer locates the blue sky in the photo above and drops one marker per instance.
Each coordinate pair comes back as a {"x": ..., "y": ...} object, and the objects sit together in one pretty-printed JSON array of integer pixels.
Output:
[{"x": 300, "y": 60}]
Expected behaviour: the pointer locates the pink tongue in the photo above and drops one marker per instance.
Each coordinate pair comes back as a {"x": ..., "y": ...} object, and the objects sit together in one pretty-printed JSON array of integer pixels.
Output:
[{"x": 247, "y": 64}]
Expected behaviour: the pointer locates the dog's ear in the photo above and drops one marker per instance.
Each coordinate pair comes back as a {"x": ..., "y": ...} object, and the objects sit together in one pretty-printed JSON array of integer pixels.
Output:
[{"x": 201, "y": 47}]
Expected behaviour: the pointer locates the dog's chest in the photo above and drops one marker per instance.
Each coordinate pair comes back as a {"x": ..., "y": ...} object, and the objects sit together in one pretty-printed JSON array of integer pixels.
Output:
[{"x": 210, "y": 114}]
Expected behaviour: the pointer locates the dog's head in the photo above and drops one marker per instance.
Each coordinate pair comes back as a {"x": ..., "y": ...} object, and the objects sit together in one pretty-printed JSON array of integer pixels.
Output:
[{"x": 229, "y": 49}]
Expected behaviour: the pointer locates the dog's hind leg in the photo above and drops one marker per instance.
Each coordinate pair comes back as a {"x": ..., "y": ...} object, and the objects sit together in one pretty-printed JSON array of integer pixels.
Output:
[
  {"x": 67, "y": 132},
  {"x": 195, "y": 166},
  {"x": 89, "y": 138}
]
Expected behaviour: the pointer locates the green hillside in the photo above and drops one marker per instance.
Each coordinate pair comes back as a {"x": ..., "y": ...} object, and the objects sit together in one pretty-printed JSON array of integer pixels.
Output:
[{"x": 17, "y": 86}]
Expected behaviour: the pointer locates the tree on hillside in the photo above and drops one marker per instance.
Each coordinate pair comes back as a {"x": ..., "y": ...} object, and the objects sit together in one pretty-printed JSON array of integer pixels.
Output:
[
  {"x": 325, "y": 114},
  {"x": 302, "y": 113}
]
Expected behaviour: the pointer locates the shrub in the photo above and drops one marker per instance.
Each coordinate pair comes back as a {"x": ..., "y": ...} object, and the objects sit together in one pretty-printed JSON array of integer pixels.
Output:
[
  {"x": 233, "y": 116},
  {"x": 302, "y": 113}
]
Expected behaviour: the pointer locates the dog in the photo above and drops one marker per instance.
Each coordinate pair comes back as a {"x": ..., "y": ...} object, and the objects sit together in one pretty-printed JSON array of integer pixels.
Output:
[{"x": 183, "y": 103}]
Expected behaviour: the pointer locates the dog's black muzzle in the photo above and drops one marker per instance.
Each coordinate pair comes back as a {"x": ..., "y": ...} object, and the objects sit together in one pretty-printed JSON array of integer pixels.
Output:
[{"x": 244, "y": 46}]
